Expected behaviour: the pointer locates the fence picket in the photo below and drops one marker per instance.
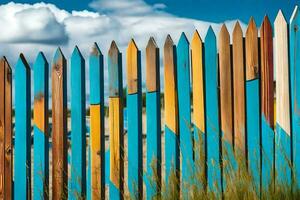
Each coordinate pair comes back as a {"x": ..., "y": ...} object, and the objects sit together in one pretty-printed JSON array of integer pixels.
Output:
[
  {"x": 116, "y": 123},
  {"x": 212, "y": 113},
  {"x": 172, "y": 164},
  {"x": 198, "y": 106},
  {"x": 59, "y": 127},
  {"x": 295, "y": 97},
  {"x": 97, "y": 137},
  {"x": 41, "y": 128},
  {"x": 267, "y": 101},
  {"x": 78, "y": 127},
  {"x": 239, "y": 93},
  {"x": 153, "y": 179},
  {"x": 22, "y": 161},
  {"x": 184, "y": 110},
  {"x": 283, "y": 125},
  {"x": 134, "y": 111},
  {"x": 5, "y": 129},
  {"x": 226, "y": 104},
  {"x": 252, "y": 103}
]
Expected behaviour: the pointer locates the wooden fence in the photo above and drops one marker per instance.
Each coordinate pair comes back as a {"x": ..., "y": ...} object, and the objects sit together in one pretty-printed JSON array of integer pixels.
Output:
[{"x": 218, "y": 105}]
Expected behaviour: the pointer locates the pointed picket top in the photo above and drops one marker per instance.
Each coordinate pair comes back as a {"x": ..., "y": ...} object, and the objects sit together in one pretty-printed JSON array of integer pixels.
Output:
[
  {"x": 252, "y": 70},
  {"x": 295, "y": 14},
  {"x": 114, "y": 70},
  {"x": 168, "y": 42},
  {"x": 196, "y": 39},
  {"x": 41, "y": 59},
  {"x": 237, "y": 30},
  {"x": 22, "y": 62},
  {"x": 113, "y": 48},
  {"x": 183, "y": 41},
  {"x": 76, "y": 52},
  {"x": 132, "y": 67},
  {"x": 210, "y": 34},
  {"x": 280, "y": 19},
  {"x": 152, "y": 66},
  {"x": 224, "y": 34},
  {"x": 6, "y": 64},
  {"x": 266, "y": 22},
  {"x": 95, "y": 50},
  {"x": 58, "y": 55}
]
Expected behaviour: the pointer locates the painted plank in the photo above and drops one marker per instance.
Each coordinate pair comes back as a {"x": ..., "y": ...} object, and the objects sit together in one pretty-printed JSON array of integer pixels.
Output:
[
  {"x": 78, "y": 127},
  {"x": 295, "y": 97},
  {"x": 226, "y": 104},
  {"x": 59, "y": 127},
  {"x": 116, "y": 123},
  {"x": 153, "y": 116},
  {"x": 252, "y": 103},
  {"x": 41, "y": 128},
  {"x": 6, "y": 130},
  {"x": 97, "y": 138},
  {"x": 172, "y": 165},
  {"x": 198, "y": 105},
  {"x": 239, "y": 93},
  {"x": 22, "y": 162},
  {"x": 267, "y": 103},
  {"x": 212, "y": 113},
  {"x": 134, "y": 112},
  {"x": 283, "y": 119}
]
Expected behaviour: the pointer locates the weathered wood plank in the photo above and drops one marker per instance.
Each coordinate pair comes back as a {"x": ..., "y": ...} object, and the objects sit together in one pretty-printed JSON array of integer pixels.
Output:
[
  {"x": 172, "y": 155},
  {"x": 184, "y": 111},
  {"x": 212, "y": 113},
  {"x": 239, "y": 91},
  {"x": 267, "y": 101},
  {"x": 97, "y": 139},
  {"x": 283, "y": 119},
  {"x": 59, "y": 127},
  {"x": 253, "y": 103},
  {"x": 40, "y": 129},
  {"x": 5, "y": 130},
  {"x": 226, "y": 104},
  {"x": 116, "y": 123},
  {"x": 134, "y": 112},
  {"x": 153, "y": 129},
  {"x": 198, "y": 104},
  {"x": 22, "y": 162},
  {"x": 294, "y": 89},
  {"x": 78, "y": 127}
]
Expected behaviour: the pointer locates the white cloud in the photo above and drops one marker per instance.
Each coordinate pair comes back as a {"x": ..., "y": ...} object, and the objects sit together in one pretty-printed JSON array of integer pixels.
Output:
[{"x": 44, "y": 27}]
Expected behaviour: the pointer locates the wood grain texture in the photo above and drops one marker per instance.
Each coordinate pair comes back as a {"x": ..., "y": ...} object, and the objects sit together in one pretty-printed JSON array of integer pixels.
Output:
[
  {"x": 283, "y": 123},
  {"x": 5, "y": 130},
  {"x": 22, "y": 158},
  {"x": 97, "y": 138},
  {"x": 266, "y": 57},
  {"x": 132, "y": 67},
  {"x": 252, "y": 68},
  {"x": 282, "y": 73},
  {"x": 171, "y": 103},
  {"x": 59, "y": 127},
  {"x": 152, "y": 66},
  {"x": 239, "y": 88},
  {"x": 225, "y": 85},
  {"x": 116, "y": 188},
  {"x": 198, "y": 82}
]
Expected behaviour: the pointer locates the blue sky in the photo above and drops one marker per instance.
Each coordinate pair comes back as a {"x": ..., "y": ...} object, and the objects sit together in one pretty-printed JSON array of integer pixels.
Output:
[{"x": 208, "y": 10}]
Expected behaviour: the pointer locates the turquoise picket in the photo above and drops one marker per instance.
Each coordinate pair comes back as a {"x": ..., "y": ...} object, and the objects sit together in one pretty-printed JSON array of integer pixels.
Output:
[
  {"x": 184, "y": 109},
  {"x": 22, "y": 161},
  {"x": 134, "y": 117},
  {"x": 153, "y": 116},
  {"x": 97, "y": 148},
  {"x": 40, "y": 128},
  {"x": 78, "y": 126},
  {"x": 295, "y": 92},
  {"x": 212, "y": 124}
]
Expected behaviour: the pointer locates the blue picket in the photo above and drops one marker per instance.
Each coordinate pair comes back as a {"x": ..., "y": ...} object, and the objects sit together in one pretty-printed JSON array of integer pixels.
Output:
[
  {"x": 212, "y": 113},
  {"x": 295, "y": 92},
  {"x": 78, "y": 126},
  {"x": 22, "y": 161},
  {"x": 184, "y": 109},
  {"x": 40, "y": 129}
]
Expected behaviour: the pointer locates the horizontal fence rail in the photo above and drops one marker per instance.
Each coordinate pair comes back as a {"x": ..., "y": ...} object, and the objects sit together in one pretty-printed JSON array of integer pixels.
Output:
[{"x": 217, "y": 114}]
